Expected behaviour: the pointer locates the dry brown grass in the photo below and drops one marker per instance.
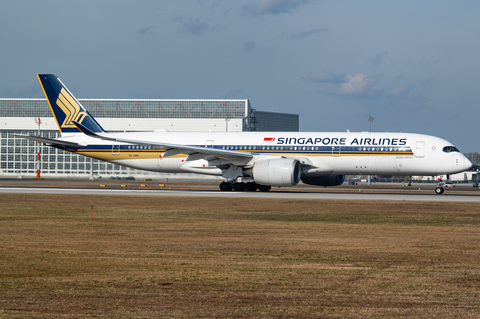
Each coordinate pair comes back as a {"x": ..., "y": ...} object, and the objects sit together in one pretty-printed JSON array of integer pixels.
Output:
[{"x": 148, "y": 257}]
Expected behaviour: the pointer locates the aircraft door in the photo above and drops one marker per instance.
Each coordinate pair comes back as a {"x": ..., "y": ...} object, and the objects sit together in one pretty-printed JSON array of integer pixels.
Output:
[
  {"x": 115, "y": 149},
  {"x": 336, "y": 151},
  {"x": 420, "y": 149}
]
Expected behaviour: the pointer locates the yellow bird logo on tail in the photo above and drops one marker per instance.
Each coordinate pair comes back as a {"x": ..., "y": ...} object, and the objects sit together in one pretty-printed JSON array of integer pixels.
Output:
[{"x": 71, "y": 109}]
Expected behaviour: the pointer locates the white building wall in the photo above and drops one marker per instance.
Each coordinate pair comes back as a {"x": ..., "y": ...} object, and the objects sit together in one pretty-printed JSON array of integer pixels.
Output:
[
  {"x": 130, "y": 124},
  {"x": 462, "y": 177},
  {"x": 27, "y": 124},
  {"x": 174, "y": 125}
]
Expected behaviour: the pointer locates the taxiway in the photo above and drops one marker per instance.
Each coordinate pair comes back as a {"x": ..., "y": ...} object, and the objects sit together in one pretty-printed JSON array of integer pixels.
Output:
[{"x": 446, "y": 197}]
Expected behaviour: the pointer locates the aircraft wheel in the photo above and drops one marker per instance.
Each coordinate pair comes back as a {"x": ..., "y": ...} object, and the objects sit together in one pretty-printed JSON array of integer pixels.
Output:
[
  {"x": 439, "y": 190},
  {"x": 251, "y": 187},
  {"x": 239, "y": 187},
  {"x": 225, "y": 187},
  {"x": 263, "y": 188}
]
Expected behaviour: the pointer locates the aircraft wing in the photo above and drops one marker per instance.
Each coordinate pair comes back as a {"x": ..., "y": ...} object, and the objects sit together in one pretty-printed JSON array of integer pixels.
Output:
[
  {"x": 197, "y": 152},
  {"x": 50, "y": 141}
]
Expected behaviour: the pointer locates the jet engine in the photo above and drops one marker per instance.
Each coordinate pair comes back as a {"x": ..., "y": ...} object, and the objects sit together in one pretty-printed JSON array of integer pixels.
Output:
[
  {"x": 325, "y": 180},
  {"x": 277, "y": 172}
]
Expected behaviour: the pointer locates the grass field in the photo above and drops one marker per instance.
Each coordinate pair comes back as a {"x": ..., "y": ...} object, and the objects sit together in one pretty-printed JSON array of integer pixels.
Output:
[{"x": 152, "y": 257}]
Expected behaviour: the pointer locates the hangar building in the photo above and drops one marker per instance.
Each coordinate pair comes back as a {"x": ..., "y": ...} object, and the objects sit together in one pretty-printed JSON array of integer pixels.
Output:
[{"x": 20, "y": 116}]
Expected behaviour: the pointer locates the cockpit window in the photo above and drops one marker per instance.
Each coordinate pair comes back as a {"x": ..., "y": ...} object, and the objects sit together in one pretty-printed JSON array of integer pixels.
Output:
[{"x": 449, "y": 149}]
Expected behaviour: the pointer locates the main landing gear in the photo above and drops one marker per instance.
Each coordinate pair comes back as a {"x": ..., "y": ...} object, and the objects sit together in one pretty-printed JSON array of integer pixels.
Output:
[{"x": 241, "y": 187}]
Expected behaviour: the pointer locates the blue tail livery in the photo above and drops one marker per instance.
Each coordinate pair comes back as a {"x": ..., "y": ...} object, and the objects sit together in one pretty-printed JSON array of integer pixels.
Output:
[{"x": 65, "y": 107}]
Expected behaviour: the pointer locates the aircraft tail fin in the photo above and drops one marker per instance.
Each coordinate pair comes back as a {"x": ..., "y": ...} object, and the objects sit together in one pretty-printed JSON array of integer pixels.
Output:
[{"x": 65, "y": 107}]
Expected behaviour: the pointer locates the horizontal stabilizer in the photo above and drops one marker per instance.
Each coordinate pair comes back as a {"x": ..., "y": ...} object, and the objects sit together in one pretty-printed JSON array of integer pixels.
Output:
[{"x": 49, "y": 141}]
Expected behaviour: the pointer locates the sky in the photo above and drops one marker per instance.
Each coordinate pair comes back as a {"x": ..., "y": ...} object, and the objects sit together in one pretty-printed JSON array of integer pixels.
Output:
[{"x": 411, "y": 65}]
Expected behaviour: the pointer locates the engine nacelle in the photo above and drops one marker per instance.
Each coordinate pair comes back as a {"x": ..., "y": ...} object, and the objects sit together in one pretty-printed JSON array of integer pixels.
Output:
[
  {"x": 277, "y": 172},
  {"x": 325, "y": 180}
]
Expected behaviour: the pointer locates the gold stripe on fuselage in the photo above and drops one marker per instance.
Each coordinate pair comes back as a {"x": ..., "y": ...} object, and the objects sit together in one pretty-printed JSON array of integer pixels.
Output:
[{"x": 123, "y": 155}]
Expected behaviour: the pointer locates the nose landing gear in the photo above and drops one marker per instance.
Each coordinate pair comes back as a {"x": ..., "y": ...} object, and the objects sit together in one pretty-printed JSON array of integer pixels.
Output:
[{"x": 439, "y": 189}]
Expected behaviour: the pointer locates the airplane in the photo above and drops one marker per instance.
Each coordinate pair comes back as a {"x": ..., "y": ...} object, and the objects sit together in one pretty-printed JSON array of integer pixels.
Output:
[{"x": 263, "y": 159}]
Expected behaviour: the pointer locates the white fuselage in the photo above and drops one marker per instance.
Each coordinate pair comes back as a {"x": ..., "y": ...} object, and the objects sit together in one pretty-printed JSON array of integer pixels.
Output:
[{"x": 320, "y": 153}]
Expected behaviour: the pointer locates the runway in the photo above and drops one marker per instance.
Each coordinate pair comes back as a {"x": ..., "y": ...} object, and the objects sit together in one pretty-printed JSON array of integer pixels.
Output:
[{"x": 446, "y": 197}]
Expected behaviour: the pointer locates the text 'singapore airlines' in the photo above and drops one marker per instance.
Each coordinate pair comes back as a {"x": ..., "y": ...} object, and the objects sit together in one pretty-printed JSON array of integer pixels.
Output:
[{"x": 338, "y": 141}]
